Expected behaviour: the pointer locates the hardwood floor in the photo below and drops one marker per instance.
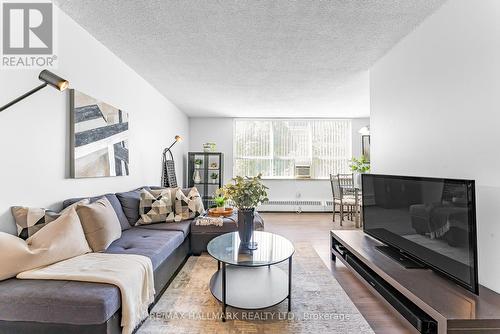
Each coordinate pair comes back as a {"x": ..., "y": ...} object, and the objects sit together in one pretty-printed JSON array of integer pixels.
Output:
[{"x": 314, "y": 228}]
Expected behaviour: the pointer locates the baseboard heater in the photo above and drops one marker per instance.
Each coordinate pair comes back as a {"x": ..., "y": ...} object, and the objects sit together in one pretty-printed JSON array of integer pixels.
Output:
[{"x": 293, "y": 206}]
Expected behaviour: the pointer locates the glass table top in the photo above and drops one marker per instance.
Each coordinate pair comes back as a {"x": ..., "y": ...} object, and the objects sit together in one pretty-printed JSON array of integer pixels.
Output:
[{"x": 271, "y": 249}]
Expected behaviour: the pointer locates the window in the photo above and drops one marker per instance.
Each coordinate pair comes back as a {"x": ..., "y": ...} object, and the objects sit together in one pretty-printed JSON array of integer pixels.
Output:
[{"x": 274, "y": 147}]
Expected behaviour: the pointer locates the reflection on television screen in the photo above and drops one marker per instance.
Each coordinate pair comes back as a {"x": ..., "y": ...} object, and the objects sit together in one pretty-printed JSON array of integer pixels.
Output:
[{"x": 430, "y": 219}]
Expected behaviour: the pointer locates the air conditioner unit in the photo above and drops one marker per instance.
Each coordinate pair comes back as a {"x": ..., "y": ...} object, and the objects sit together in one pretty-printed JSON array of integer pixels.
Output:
[{"x": 303, "y": 171}]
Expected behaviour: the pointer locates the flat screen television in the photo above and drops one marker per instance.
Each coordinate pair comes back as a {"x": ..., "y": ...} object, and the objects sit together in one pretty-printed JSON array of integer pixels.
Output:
[{"x": 431, "y": 220}]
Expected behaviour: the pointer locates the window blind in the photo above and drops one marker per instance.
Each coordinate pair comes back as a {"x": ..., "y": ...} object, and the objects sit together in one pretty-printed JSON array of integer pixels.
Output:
[{"x": 274, "y": 147}]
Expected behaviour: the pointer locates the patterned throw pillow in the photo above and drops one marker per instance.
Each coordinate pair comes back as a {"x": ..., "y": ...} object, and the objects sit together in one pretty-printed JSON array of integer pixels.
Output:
[
  {"x": 31, "y": 220},
  {"x": 188, "y": 206},
  {"x": 156, "y": 206}
]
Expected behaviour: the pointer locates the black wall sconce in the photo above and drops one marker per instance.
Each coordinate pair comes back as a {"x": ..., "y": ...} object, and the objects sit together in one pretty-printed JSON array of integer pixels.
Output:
[{"x": 48, "y": 78}]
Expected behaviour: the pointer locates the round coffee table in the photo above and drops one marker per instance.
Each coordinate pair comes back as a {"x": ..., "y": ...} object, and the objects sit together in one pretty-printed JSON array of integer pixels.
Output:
[{"x": 248, "y": 279}]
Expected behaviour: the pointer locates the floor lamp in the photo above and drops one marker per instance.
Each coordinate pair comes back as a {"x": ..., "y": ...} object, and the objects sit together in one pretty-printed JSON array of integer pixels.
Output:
[
  {"x": 168, "y": 178},
  {"x": 48, "y": 78}
]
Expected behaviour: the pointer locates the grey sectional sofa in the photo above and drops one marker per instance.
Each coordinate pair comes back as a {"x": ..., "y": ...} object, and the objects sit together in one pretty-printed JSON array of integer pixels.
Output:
[{"x": 51, "y": 306}]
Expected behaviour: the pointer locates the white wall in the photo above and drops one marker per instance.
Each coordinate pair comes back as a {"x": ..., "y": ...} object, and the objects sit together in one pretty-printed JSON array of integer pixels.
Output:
[
  {"x": 34, "y": 134},
  {"x": 220, "y": 131},
  {"x": 213, "y": 130},
  {"x": 435, "y": 111}
]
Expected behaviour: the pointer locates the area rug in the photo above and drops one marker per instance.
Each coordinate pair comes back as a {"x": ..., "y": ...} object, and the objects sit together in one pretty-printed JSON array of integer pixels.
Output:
[{"x": 319, "y": 304}]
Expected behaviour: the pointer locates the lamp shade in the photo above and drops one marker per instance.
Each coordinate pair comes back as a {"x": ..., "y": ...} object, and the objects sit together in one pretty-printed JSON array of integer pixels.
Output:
[
  {"x": 365, "y": 130},
  {"x": 53, "y": 80},
  {"x": 178, "y": 138}
]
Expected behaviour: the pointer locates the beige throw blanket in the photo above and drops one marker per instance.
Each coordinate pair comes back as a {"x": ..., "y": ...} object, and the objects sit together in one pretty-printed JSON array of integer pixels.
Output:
[
  {"x": 133, "y": 274},
  {"x": 204, "y": 221}
]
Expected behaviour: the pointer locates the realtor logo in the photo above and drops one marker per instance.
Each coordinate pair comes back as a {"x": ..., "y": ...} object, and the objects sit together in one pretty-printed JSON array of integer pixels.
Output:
[
  {"x": 27, "y": 28},
  {"x": 27, "y": 34}
]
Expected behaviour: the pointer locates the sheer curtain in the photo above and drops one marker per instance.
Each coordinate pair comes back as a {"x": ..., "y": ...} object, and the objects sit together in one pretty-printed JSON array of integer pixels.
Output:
[{"x": 274, "y": 147}]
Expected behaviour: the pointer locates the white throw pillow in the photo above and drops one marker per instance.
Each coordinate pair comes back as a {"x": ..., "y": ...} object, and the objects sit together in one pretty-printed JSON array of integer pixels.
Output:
[
  {"x": 60, "y": 240},
  {"x": 100, "y": 224}
]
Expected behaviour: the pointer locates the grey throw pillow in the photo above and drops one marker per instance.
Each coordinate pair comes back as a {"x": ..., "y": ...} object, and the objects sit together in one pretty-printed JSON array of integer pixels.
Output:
[{"x": 130, "y": 201}]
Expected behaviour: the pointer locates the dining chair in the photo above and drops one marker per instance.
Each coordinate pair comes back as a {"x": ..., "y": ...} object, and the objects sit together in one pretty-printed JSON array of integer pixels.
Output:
[
  {"x": 345, "y": 199},
  {"x": 347, "y": 183}
]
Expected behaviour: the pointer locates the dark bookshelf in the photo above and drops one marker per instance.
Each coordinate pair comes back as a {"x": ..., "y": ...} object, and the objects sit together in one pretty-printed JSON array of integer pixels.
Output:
[{"x": 206, "y": 186}]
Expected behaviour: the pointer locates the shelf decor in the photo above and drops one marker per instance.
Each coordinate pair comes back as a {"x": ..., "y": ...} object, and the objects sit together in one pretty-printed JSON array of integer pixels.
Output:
[
  {"x": 196, "y": 176},
  {"x": 202, "y": 167},
  {"x": 209, "y": 147}
]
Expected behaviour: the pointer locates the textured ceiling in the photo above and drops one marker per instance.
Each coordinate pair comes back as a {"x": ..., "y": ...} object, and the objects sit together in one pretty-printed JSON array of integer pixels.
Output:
[{"x": 273, "y": 58}]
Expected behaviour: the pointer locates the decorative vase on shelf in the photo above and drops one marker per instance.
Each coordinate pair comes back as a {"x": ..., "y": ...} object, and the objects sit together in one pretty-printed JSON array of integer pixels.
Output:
[{"x": 197, "y": 176}]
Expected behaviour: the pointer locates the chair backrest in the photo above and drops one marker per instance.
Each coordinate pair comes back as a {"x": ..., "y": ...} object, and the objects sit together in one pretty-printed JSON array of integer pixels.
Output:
[
  {"x": 336, "y": 188},
  {"x": 346, "y": 180}
]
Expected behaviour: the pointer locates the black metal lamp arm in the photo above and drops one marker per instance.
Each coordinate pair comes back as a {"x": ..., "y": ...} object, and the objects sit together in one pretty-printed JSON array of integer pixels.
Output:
[
  {"x": 48, "y": 78},
  {"x": 22, "y": 97},
  {"x": 168, "y": 150}
]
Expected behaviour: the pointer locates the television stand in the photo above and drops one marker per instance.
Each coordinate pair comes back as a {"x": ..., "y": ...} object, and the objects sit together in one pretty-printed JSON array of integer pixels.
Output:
[
  {"x": 427, "y": 300},
  {"x": 400, "y": 257}
]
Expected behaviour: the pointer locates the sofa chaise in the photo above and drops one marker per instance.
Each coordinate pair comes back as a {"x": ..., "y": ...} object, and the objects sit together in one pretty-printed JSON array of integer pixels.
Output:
[{"x": 55, "y": 306}]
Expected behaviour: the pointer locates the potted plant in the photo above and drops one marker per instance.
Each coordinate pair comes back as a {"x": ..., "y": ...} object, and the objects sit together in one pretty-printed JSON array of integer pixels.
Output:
[
  {"x": 359, "y": 166},
  {"x": 198, "y": 163},
  {"x": 214, "y": 177},
  {"x": 246, "y": 193},
  {"x": 220, "y": 200}
]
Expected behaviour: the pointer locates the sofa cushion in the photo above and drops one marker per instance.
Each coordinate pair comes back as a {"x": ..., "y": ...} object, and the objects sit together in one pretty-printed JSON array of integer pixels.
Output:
[
  {"x": 183, "y": 226},
  {"x": 53, "y": 301},
  {"x": 115, "y": 203},
  {"x": 188, "y": 204},
  {"x": 156, "y": 206},
  {"x": 100, "y": 224},
  {"x": 57, "y": 241},
  {"x": 130, "y": 201},
  {"x": 155, "y": 244},
  {"x": 31, "y": 220}
]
